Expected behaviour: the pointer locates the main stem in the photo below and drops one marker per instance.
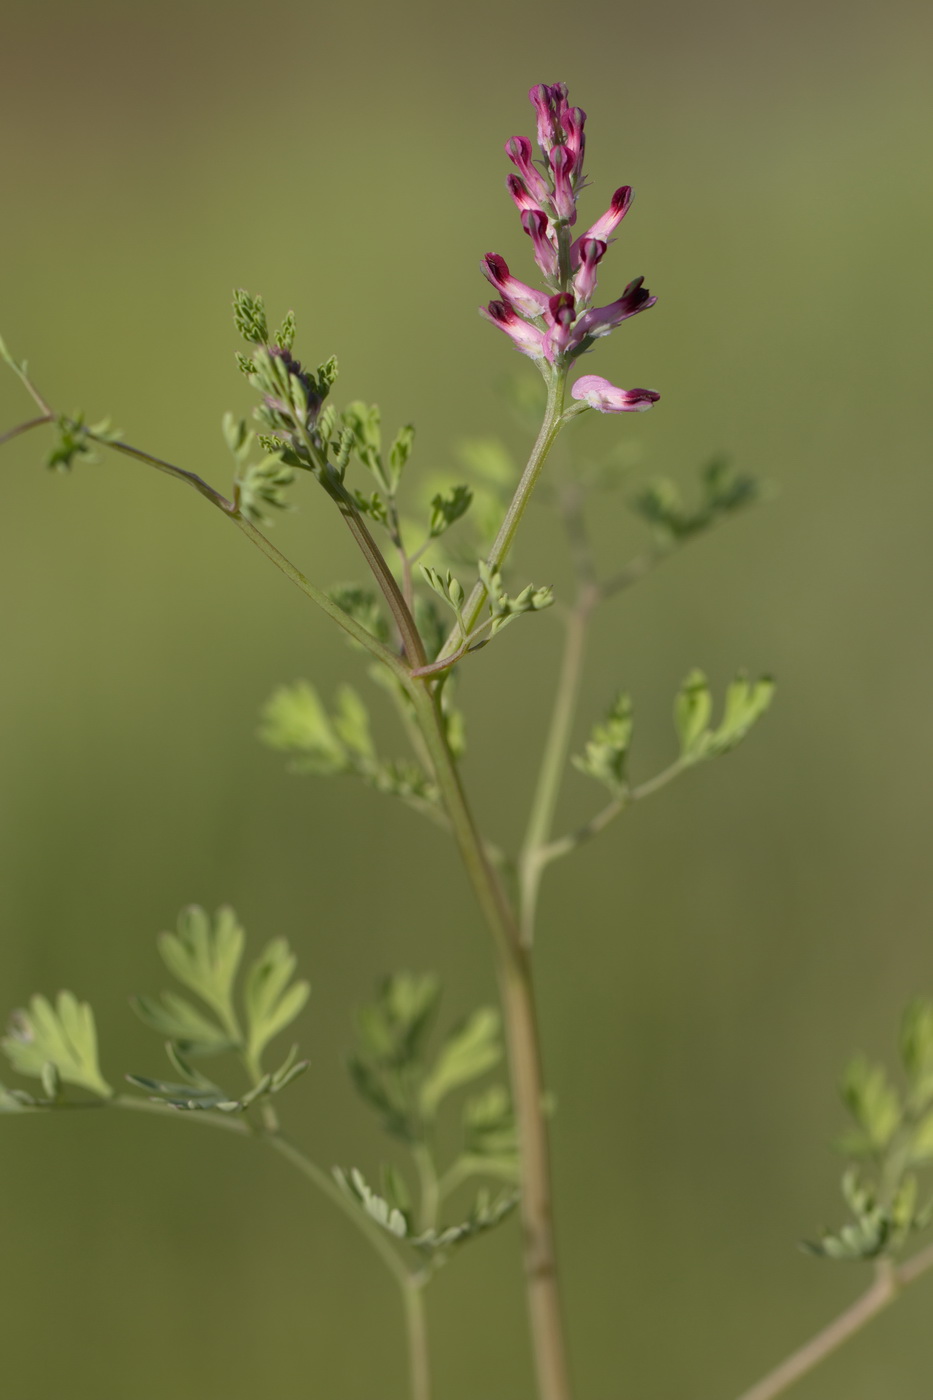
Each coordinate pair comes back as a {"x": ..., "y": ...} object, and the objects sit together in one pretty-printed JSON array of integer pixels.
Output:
[{"x": 517, "y": 994}]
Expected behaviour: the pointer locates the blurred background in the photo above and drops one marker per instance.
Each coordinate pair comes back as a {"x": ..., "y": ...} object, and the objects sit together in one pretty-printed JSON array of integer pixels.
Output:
[{"x": 709, "y": 965}]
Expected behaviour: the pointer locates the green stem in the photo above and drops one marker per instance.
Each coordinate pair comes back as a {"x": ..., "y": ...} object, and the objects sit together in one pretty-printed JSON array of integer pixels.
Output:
[
  {"x": 517, "y": 996},
  {"x": 411, "y": 638},
  {"x": 411, "y": 1285},
  {"x": 263, "y": 543},
  {"x": 25, "y": 427},
  {"x": 565, "y": 844},
  {"x": 550, "y": 427},
  {"x": 889, "y": 1281},
  {"x": 553, "y": 762},
  {"x": 429, "y": 1204},
  {"x": 416, "y": 1327}
]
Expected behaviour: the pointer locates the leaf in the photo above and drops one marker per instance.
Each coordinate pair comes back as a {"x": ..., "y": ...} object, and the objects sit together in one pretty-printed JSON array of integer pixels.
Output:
[
  {"x": 399, "y": 453},
  {"x": 446, "y": 510},
  {"x": 177, "y": 1019},
  {"x": 363, "y": 606},
  {"x": 605, "y": 757},
  {"x": 285, "y": 335},
  {"x": 394, "y": 1027},
  {"x": 351, "y": 725},
  {"x": 468, "y": 1052},
  {"x": 192, "y": 1097},
  {"x": 722, "y": 491},
  {"x": 692, "y": 711},
  {"x": 502, "y": 607},
  {"x": 64, "y": 1036},
  {"x": 206, "y": 959},
  {"x": 249, "y": 315},
  {"x": 873, "y": 1102},
  {"x": 490, "y": 1137},
  {"x": 295, "y": 720},
  {"x": 447, "y": 588},
  {"x": 271, "y": 1004},
  {"x": 917, "y": 1048},
  {"x": 746, "y": 702},
  {"x": 487, "y": 1213},
  {"x": 390, "y": 1218},
  {"x": 363, "y": 421}
]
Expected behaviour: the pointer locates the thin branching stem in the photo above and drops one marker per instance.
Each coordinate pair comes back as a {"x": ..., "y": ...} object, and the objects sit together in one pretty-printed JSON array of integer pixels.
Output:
[
  {"x": 25, "y": 427},
  {"x": 263, "y": 543},
  {"x": 411, "y": 1284},
  {"x": 889, "y": 1282},
  {"x": 550, "y": 427},
  {"x": 553, "y": 850}
]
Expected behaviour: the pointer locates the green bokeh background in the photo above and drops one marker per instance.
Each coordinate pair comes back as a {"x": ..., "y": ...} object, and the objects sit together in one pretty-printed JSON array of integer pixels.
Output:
[{"x": 708, "y": 966}]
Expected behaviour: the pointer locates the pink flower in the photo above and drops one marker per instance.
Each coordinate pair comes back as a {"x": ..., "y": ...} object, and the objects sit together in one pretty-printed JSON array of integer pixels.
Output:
[
  {"x": 603, "y": 319},
  {"x": 592, "y": 251},
  {"x": 556, "y": 325},
  {"x": 562, "y": 166},
  {"x": 520, "y": 193},
  {"x": 606, "y": 225},
  {"x": 537, "y": 225},
  {"x": 560, "y": 316},
  {"x": 518, "y": 150},
  {"x": 528, "y": 300},
  {"x": 574, "y": 139},
  {"x": 550, "y": 101},
  {"x": 592, "y": 389},
  {"x": 528, "y": 339}
]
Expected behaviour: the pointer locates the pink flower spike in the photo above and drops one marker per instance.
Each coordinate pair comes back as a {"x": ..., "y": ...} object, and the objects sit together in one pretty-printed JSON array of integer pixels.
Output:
[
  {"x": 528, "y": 300},
  {"x": 592, "y": 250},
  {"x": 606, "y": 225},
  {"x": 518, "y": 150},
  {"x": 550, "y": 103},
  {"x": 601, "y": 320},
  {"x": 592, "y": 389},
  {"x": 561, "y": 313},
  {"x": 562, "y": 165},
  {"x": 524, "y": 337},
  {"x": 535, "y": 224}
]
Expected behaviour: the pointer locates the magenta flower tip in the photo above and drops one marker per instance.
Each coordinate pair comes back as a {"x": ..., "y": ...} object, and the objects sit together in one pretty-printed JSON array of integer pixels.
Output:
[{"x": 592, "y": 389}]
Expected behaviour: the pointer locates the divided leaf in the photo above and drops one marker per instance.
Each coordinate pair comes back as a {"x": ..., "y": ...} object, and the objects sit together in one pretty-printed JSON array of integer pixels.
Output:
[
  {"x": 271, "y": 1003},
  {"x": 447, "y": 509},
  {"x": 468, "y": 1052},
  {"x": 295, "y": 720},
  {"x": 605, "y": 757},
  {"x": 64, "y": 1037},
  {"x": 206, "y": 959},
  {"x": 722, "y": 492},
  {"x": 490, "y": 1137},
  {"x": 746, "y": 701}
]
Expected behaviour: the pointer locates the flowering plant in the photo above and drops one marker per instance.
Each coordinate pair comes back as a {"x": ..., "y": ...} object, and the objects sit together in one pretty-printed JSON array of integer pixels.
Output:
[{"x": 419, "y": 623}]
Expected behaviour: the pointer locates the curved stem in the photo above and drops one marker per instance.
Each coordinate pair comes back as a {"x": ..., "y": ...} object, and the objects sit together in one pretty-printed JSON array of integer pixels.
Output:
[
  {"x": 888, "y": 1283},
  {"x": 565, "y": 844},
  {"x": 411, "y": 1285},
  {"x": 25, "y": 427},
  {"x": 263, "y": 543}
]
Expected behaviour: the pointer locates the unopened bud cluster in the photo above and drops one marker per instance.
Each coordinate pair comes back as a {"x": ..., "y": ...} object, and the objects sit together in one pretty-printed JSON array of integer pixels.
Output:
[{"x": 556, "y": 325}]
